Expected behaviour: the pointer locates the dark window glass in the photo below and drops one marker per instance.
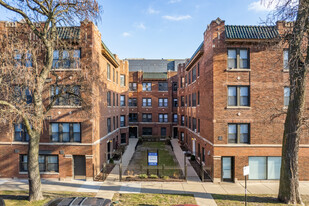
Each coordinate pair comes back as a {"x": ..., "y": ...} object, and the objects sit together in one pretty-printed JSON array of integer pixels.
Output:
[
  {"x": 133, "y": 86},
  {"x": 20, "y": 133},
  {"x": 47, "y": 163},
  {"x": 133, "y": 117},
  {"x": 238, "y": 96},
  {"x": 66, "y": 59},
  {"x": 163, "y": 131},
  {"x": 163, "y": 86},
  {"x": 146, "y": 86},
  {"x": 238, "y": 133},
  {"x": 132, "y": 102},
  {"x": 109, "y": 127},
  {"x": 122, "y": 121},
  {"x": 146, "y": 117},
  {"x": 70, "y": 95},
  {"x": 122, "y": 100},
  {"x": 147, "y": 131},
  {"x": 65, "y": 132},
  {"x": 146, "y": 102}
]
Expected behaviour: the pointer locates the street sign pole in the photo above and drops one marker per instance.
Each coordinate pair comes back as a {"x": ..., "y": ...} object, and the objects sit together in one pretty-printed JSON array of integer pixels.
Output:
[{"x": 246, "y": 171}]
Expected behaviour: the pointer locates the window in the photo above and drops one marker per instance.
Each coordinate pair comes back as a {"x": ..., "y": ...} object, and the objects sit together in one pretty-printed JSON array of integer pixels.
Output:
[
  {"x": 198, "y": 98},
  {"x": 109, "y": 103},
  {"x": 113, "y": 99},
  {"x": 114, "y": 123},
  {"x": 182, "y": 120},
  {"x": 116, "y": 77},
  {"x": 194, "y": 124},
  {"x": 133, "y": 117},
  {"x": 194, "y": 100},
  {"x": 113, "y": 74},
  {"x": 20, "y": 133},
  {"x": 175, "y": 117},
  {"x": 133, "y": 86},
  {"x": 22, "y": 94},
  {"x": 163, "y": 131},
  {"x": 122, "y": 80},
  {"x": 175, "y": 102},
  {"x": 286, "y": 96},
  {"x": 194, "y": 74},
  {"x": 117, "y": 102},
  {"x": 198, "y": 69},
  {"x": 23, "y": 59},
  {"x": 65, "y": 132},
  {"x": 122, "y": 100},
  {"x": 238, "y": 58},
  {"x": 132, "y": 102},
  {"x": 186, "y": 80},
  {"x": 262, "y": 168},
  {"x": 66, "y": 59},
  {"x": 175, "y": 86},
  {"x": 109, "y": 127},
  {"x": 146, "y": 86},
  {"x": 182, "y": 135},
  {"x": 163, "y": 86},
  {"x": 163, "y": 102},
  {"x": 189, "y": 100},
  {"x": 122, "y": 121},
  {"x": 186, "y": 101},
  {"x": 146, "y": 102},
  {"x": 186, "y": 121},
  {"x": 190, "y": 122},
  {"x": 147, "y": 131},
  {"x": 70, "y": 95},
  {"x": 182, "y": 82},
  {"x": 182, "y": 101},
  {"x": 117, "y": 122},
  {"x": 238, "y": 133},
  {"x": 286, "y": 59},
  {"x": 163, "y": 118},
  {"x": 47, "y": 163},
  {"x": 123, "y": 138},
  {"x": 146, "y": 117},
  {"x": 189, "y": 78},
  {"x": 198, "y": 126},
  {"x": 238, "y": 96},
  {"x": 108, "y": 71}
]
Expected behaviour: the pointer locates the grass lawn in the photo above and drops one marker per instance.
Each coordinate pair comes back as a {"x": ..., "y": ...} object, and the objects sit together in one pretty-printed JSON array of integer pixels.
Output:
[
  {"x": 20, "y": 198},
  {"x": 152, "y": 199},
  {"x": 253, "y": 200},
  {"x": 165, "y": 158}
]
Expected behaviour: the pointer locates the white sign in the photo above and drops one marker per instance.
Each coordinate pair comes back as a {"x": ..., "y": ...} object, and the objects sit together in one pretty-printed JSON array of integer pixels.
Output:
[
  {"x": 152, "y": 159},
  {"x": 246, "y": 170}
]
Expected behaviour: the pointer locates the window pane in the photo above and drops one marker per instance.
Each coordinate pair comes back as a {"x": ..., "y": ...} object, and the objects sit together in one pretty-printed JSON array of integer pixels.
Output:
[
  {"x": 227, "y": 167},
  {"x": 18, "y": 132},
  {"x": 273, "y": 167},
  {"x": 76, "y": 127},
  {"x": 243, "y": 58},
  {"x": 66, "y": 132},
  {"x": 231, "y": 58},
  {"x": 55, "y": 134},
  {"x": 286, "y": 96},
  {"x": 244, "y": 133},
  {"x": 76, "y": 137},
  {"x": 257, "y": 169},
  {"x": 286, "y": 59},
  {"x": 244, "y": 96},
  {"x": 232, "y": 133},
  {"x": 232, "y": 98}
]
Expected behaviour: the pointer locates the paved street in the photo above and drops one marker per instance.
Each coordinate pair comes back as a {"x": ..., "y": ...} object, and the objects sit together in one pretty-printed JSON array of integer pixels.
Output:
[{"x": 201, "y": 190}]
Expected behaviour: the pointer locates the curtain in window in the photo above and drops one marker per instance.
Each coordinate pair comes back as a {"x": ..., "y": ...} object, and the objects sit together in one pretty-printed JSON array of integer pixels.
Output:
[
  {"x": 232, "y": 133},
  {"x": 286, "y": 96},
  {"x": 76, "y": 132},
  {"x": 244, "y": 96},
  {"x": 232, "y": 98},
  {"x": 244, "y": 133},
  {"x": 243, "y": 58},
  {"x": 231, "y": 53},
  {"x": 65, "y": 132},
  {"x": 273, "y": 167},
  {"x": 257, "y": 169},
  {"x": 52, "y": 163},
  {"x": 55, "y": 132}
]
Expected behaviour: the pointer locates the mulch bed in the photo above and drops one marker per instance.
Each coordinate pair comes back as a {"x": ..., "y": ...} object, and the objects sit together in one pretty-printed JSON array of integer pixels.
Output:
[
  {"x": 129, "y": 179},
  {"x": 101, "y": 176}
]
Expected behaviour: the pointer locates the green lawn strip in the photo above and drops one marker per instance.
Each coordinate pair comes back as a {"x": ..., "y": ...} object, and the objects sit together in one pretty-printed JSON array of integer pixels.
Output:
[
  {"x": 165, "y": 158},
  {"x": 20, "y": 198},
  {"x": 252, "y": 199},
  {"x": 152, "y": 199}
]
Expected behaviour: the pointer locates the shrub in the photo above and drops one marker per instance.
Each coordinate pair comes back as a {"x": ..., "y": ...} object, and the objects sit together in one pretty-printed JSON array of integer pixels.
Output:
[
  {"x": 192, "y": 157},
  {"x": 166, "y": 177},
  {"x": 111, "y": 161},
  {"x": 152, "y": 176},
  {"x": 143, "y": 176}
]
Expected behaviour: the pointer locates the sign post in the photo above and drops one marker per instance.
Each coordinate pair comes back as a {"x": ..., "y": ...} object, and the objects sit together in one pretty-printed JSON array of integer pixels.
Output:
[
  {"x": 153, "y": 160},
  {"x": 246, "y": 173}
]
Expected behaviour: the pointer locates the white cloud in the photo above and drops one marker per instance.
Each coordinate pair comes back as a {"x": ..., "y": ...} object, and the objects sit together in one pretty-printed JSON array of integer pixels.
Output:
[
  {"x": 140, "y": 26},
  {"x": 259, "y": 6},
  {"x": 152, "y": 11},
  {"x": 126, "y": 34},
  {"x": 174, "y": 1},
  {"x": 177, "y": 18}
]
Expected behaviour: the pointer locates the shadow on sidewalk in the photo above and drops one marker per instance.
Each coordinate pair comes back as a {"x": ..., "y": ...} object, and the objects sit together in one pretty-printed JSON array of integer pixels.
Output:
[{"x": 233, "y": 199}]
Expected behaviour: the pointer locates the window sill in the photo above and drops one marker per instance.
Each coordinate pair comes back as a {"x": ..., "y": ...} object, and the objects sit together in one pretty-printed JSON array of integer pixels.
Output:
[
  {"x": 66, "y": 70},
  {"x": 285, "y": 70},
  {"x": 67, "y": 107},
  {"x": 133, "y": 106},
  {"x": 148, "y": 107},
  {"x": 162, "y": 107},
  {"x": 42, "y": 173},
  {"x": 162, "y": 91},
  {"x": 238, "y": 70},
  {"x": 238, "y": 107},
  {"x": 285, "y": 107}
]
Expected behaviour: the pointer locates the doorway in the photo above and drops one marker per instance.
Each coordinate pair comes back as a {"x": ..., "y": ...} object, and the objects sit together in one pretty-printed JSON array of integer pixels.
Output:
[
  {"x": 79, "y": 167},
  {"x": 133, "y": 132},
  {"x": 227, "y": 169},
  {"x": 108, "y": 150},
  {"x": 175, "y": 134}
]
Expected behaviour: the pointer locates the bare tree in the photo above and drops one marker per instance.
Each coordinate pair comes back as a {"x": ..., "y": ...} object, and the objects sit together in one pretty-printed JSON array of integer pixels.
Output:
[
  {"x": 297, "y": 12},
  {"x": 26, "y": 63}
]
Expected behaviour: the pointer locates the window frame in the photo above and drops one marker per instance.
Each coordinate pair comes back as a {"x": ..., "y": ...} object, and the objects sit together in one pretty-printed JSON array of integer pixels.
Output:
[
  {"x": 131, "y": 115},
  {"x": 148, "y": 117},
  {"x": 288, "y": 97},
  {"x": 22, "y": 163},
  {"x": 132, "y": 102},
  {"x": 238, "y": 97},
  {"x": 163, "y": 88},
  {"x": 122, "y": 120},
  {"x": 60, "y": 132},
  {"x": 147, "y": 102},
  {"x": 238, "y": 59},
  {"x": 238, "y": 134},
  {"x": 147, "y": 86}
]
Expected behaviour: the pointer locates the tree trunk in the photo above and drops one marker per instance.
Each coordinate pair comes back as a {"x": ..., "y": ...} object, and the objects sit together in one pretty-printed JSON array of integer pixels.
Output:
[{"x": 35, "y": 187}]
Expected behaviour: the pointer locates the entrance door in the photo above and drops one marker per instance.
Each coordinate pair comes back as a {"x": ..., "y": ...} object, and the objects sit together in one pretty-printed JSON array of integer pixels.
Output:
[
  {"x": 175, "y": 132},
  {"x": 227, "y": 169},
  {"x": 133, "y": 132},
  {"x": 79, "y": 167}
]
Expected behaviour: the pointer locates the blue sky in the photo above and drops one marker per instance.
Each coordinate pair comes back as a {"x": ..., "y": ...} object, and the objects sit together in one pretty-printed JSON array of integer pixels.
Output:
[{"x": 170, "y": 29}]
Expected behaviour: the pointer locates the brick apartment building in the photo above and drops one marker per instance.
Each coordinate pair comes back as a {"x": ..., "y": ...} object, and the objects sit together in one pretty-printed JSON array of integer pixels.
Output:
[
  {"x": 153, "y": 97},
  {"x": 75, "y": 143},
  {"x": 228, "y": 94}
]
